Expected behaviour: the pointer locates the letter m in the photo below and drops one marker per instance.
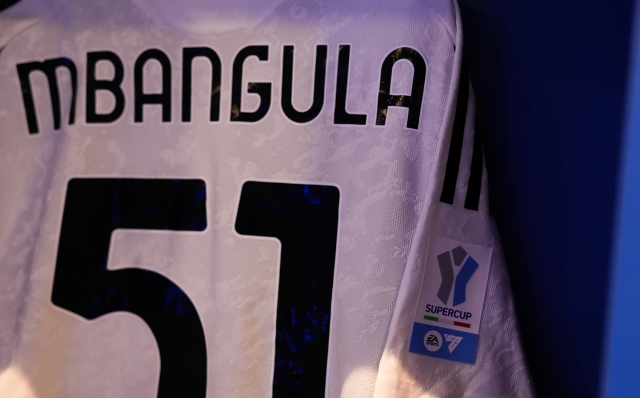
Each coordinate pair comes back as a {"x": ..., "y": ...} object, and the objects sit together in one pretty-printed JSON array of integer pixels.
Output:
[{"x": 48, "y": 67}]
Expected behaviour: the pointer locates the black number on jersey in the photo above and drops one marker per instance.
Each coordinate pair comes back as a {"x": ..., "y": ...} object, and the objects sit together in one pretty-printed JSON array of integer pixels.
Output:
[
  {"x": 94, "y": 208},
  {"x": 303, "y": 217},
  {"x": 305, "y": 220}
]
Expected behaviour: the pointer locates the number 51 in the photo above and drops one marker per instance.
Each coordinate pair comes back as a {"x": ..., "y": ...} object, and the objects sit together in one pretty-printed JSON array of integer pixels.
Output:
[{"x": 303, "y": 217}]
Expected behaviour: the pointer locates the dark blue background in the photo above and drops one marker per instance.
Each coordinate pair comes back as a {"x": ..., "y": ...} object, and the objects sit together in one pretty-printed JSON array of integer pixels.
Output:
[{"x": 550, "y": 80}]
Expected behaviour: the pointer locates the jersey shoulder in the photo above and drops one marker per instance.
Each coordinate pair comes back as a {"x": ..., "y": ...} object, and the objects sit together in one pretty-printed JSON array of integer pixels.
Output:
[{"x": 16, "y": 16}]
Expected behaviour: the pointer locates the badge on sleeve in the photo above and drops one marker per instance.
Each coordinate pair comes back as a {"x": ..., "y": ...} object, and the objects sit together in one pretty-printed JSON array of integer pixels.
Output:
[{"x": 449, "y": 311}]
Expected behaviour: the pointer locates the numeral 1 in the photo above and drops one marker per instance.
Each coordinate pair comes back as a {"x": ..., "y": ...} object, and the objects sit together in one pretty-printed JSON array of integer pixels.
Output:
[{"x": 305, "y": 220}]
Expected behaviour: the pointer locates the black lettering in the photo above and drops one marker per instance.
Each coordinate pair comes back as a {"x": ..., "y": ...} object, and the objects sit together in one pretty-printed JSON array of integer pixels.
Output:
[
  {"x": 262, "y": 89},
  {"x": 318, "y": 85},
  {"x": 414, "y": 101},
  {"x": 48, "y": 67},
  {"x": 340, "y": 114},
  {"x": 164, "y": 98},
  {"x": 113, "y": 86},
  {"x": 188, "y": 54}
]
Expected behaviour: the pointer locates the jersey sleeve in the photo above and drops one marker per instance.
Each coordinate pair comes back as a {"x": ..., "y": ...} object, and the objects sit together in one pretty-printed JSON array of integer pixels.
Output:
[{"x": 425, "y": 353}]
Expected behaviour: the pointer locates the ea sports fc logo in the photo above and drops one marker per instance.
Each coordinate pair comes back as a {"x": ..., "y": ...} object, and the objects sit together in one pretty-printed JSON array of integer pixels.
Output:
[
  {"x": 433, "y": 341},
  {"x": 458, "y": 282}
]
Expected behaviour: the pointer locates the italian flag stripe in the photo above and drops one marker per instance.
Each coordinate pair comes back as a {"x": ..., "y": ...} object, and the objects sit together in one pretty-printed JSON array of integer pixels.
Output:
[{"x": 448, "y": 322}]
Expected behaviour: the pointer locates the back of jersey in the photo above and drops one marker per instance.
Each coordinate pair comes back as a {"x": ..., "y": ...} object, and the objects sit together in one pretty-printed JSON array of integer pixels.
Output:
[{"x": 278, "y": 199}]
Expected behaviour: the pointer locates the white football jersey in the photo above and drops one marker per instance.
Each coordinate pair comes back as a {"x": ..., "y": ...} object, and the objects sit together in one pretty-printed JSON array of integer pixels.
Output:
[{"x": 280, "y": 198}]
